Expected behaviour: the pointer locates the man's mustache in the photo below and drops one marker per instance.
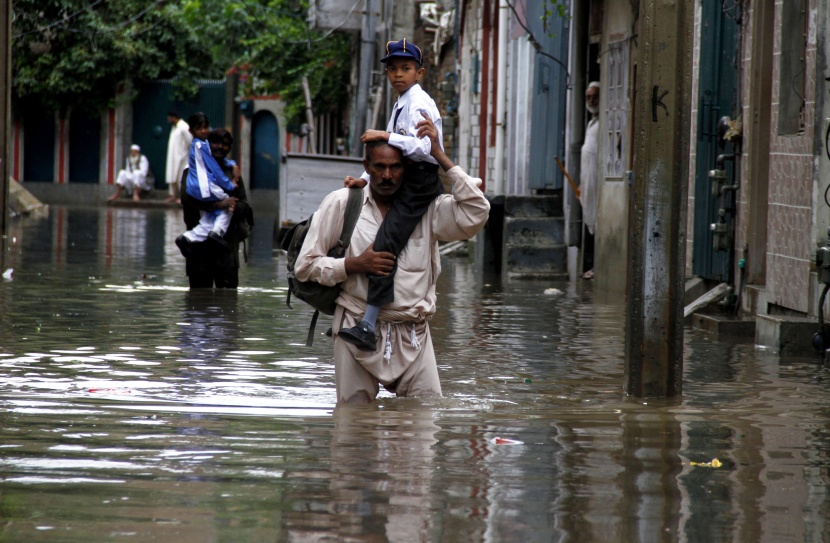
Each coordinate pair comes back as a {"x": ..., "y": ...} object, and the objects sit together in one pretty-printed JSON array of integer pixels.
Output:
[{"x": 387, "y": 183}]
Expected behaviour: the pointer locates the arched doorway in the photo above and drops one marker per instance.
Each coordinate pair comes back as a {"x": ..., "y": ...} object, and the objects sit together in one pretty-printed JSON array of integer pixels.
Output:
[{"x": 265, "y": 158}]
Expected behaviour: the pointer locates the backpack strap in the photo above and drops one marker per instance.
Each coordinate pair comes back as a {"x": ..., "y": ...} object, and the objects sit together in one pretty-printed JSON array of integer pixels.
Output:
[
  {"x": 353, "y": 206},
  {"x": 310, "y": 339},
  {"x": 349, "y": 222}
]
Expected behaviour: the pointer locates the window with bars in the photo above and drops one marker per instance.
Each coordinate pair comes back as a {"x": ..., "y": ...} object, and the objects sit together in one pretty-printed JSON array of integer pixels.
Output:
[
  {"x": 616, "y": 108},
  {"x": 792, "y": 71}
]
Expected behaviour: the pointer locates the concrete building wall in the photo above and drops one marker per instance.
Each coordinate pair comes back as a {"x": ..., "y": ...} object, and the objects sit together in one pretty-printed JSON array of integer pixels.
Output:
[
  {"x": 791, "y": 187},
  {"x": 471, "y": 82},
  {"x": 617, "y": 58},
  {"x": 821, "y": 210}
]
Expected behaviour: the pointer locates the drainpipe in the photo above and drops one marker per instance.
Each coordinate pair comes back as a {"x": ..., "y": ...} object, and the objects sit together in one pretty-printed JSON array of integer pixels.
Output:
[{"x": 501, "y": 101}]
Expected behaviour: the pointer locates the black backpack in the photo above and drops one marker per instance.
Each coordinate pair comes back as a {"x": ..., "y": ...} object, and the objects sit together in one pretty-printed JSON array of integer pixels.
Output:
[{"x": 320, "y": 297}]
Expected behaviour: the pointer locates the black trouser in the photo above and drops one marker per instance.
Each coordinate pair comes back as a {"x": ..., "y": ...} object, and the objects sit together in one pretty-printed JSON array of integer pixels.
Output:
[
  {"x": 420, "y": 187},
  {"x": 587, "y": 250},
  {"x": 209, "y": 267}
]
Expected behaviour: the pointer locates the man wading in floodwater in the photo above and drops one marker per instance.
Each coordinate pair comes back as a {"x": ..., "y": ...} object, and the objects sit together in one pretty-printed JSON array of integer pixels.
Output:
[{"x": 404, "y": 362}]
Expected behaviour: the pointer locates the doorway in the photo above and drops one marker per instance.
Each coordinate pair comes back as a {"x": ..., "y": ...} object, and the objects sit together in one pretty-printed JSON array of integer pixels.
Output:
[
  {"x": 265, "y": 158},
  {"x": 717, "y": 98}
]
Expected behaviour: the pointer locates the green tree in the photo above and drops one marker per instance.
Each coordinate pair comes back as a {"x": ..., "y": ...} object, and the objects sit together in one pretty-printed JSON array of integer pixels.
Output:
[
  {"x": 79, "y": 54},
  {"x": 270, "y": 45}
]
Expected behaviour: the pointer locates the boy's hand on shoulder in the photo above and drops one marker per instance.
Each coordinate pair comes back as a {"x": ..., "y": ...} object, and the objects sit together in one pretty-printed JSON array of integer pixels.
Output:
[
  {"x": 374, "y": 135},
  {"x": 354, "y": 182}
]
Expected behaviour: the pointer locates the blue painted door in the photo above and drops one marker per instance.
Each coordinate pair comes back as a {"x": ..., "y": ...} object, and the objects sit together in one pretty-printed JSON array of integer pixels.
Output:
[
  {"x": 84, "y": 148},
  {"x": 265, "y": 158},
  {"x": 549, "y": 97},
  {"x": 716, "y": 98}
]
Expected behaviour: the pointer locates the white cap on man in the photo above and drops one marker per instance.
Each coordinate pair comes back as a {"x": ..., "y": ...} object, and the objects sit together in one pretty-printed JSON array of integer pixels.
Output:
[{"x": 135, "y": 147}]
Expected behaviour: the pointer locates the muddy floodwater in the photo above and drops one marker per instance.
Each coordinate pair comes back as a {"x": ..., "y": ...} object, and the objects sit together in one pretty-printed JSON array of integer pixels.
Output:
[{"x": 135, "y": 410}]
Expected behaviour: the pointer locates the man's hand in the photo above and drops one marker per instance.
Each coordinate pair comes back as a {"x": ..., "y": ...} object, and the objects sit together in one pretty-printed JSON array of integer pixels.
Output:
[
  {"x": 237, "y": 174},
  {"x": 370, "y": 263},
  {"x": 374, "y": 135},
  {"x": 427, "y": 128},
  {"x": 228, "y": 203},
  {"x": 354, "y": 182}
]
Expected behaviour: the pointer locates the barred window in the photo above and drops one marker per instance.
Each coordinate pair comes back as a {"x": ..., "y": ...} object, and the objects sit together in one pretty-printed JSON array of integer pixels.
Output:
[{"x": 616, "y": 109}]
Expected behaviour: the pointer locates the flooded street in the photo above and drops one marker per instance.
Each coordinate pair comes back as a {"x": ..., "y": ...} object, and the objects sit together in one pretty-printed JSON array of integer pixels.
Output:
[{"x": 135, "y": 410}]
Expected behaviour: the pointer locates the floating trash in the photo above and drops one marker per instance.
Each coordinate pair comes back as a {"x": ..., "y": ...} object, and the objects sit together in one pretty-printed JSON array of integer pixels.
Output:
[
  {"x": 715, "y": 463},
  {"x": 7, "y": 275},
  {"x": 505, "y": 441},
  {"x": 553, "y": 292}
]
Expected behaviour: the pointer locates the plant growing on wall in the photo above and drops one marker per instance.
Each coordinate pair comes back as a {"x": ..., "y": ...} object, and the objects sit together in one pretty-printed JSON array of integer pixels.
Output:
[{"x": 551, "y": 8}]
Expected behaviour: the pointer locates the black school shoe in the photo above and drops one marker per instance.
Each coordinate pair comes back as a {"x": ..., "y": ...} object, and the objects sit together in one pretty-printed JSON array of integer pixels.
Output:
[
  {"x": 185, "y": 246},
  {"x": 360, "y": 336},
  {"x": 219, "y": 240}
]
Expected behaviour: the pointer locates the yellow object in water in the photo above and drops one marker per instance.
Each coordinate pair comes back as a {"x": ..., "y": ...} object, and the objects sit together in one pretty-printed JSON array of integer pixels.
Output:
[{"x": 713, "y": 464}]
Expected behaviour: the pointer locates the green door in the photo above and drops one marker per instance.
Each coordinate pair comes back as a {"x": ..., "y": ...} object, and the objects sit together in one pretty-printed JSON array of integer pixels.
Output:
[
  {"x": 716, "y": 99},
  {"x": 150, "y": 128}
]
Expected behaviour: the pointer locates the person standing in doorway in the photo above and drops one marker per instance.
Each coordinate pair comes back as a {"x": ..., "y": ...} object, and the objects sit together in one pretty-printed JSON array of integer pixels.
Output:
[
  {"x": 178, "y": 148},
  {"x": 589, "y": 168}
]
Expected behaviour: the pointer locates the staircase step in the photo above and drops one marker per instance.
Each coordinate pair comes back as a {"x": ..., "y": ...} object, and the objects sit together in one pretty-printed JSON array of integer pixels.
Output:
[
  {"x": 722, "y": 327},
  {"x": 535, "y": 262},
  {"x": 786, "y": 335},
  {"x": 533, "y": 206},
  {"x": 533, "y": 231}
]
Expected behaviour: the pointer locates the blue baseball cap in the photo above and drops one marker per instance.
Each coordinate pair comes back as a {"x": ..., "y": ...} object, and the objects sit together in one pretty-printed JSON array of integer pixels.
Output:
[{"x": 403, "y": 49}]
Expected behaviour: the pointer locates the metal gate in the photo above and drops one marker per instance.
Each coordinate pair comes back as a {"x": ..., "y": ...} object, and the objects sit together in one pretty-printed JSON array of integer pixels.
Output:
[
  {"x": 716, "y": 99},
  {"x": 151, "y": 129}
]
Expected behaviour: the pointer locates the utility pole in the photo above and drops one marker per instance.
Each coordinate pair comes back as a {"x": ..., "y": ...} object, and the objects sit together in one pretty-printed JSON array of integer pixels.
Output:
[
  {"x": 309, "y": 118},
  {"x": 657, "y": 221},
  {"x": 232, "y": 112},
  {"x": 5, "y": 112},
  {"x": 367, "y": 60}
]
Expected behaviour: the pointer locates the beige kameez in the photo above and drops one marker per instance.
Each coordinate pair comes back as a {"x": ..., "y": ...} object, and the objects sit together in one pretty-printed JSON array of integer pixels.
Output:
[{"x": 405, "y": 356}]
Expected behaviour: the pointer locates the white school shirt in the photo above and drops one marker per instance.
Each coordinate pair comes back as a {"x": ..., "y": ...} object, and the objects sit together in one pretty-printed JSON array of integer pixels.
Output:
[{"x": 401, "y": 127}]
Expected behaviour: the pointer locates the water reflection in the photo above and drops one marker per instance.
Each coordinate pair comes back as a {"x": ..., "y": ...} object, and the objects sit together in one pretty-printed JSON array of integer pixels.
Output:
[{"x": 134, "y": 409}]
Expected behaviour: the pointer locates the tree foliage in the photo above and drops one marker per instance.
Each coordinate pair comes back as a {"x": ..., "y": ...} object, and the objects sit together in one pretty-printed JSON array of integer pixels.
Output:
[
  {"x": 269, "y": 44},
  {"x": 79, "y": 53}
]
